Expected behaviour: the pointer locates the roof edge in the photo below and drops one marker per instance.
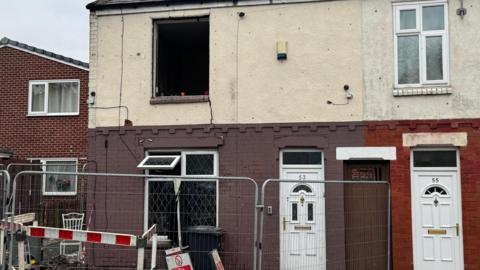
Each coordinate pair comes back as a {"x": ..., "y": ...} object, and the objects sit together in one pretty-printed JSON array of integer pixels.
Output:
[
  {"x": 100, "y": 5},
  {"x": 44, "y": 53}
]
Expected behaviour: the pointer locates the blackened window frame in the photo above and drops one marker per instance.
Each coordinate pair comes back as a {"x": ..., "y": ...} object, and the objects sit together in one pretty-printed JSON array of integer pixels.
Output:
[{"x": 156, "y": 98}]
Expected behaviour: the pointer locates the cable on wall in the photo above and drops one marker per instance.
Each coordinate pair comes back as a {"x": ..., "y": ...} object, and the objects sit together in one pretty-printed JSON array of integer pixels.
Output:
[{"x": 121, "y": 67}]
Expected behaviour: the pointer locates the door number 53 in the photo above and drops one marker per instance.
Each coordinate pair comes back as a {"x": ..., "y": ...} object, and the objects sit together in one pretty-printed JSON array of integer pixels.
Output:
[
  {"x": 302, "y": 177},
  {"x": 435, "y": 180}
]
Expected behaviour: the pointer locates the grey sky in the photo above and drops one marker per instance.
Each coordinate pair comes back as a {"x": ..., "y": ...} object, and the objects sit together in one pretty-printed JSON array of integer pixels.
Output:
[{"x": 60, "y": 26}]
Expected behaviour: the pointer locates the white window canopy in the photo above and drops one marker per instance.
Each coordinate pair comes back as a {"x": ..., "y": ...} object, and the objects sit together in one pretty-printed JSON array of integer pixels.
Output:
[{"x": 159, "y": 162}]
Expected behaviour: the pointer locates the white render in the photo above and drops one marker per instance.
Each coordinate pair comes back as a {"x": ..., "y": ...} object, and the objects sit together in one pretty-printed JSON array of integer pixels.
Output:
[
  {"x": 324, "y": 54},
  {"x": 366, "y": 153},
  {"x": 381, "y": 100},
  {"x": 330, "y": 44}
]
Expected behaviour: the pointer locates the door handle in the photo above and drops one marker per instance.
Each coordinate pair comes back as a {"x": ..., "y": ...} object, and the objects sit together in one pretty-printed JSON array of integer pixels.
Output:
[
  {"x": 284, "y": 223},
  {"x": 457, "y": 228}
]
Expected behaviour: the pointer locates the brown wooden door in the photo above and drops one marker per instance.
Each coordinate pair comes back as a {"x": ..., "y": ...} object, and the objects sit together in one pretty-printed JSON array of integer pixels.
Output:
[{"x": 366, "y": 215}]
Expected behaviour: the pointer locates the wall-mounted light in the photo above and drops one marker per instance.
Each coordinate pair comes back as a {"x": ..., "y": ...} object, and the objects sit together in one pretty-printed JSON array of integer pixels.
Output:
[
  {"x": 461, "y": 11},
  {"x": 282, "y": 48},
  {"x": 91, "y": 98},
  {"x": 6, "y": 153},
  {"x": 348, "y": 94}
]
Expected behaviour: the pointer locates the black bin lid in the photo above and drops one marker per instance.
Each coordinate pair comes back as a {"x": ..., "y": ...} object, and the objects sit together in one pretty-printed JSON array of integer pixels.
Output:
[{"x": 204, "y": 229}]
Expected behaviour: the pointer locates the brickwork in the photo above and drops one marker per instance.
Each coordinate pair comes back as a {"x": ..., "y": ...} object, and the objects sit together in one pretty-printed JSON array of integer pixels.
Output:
[
  {"x": 39, "y": 136},
  {"x": 389, "y": 133},
  {"x": 244, "y": 150}
]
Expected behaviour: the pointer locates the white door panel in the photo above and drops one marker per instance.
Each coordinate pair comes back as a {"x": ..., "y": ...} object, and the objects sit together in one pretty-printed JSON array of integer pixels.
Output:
[
  {"x": 302, "y": 220},
  {"x": 435, "y": 202}
]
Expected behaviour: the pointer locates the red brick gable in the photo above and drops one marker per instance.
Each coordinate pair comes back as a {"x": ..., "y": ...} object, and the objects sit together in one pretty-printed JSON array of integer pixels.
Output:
[{"x": 40, "y": 136}]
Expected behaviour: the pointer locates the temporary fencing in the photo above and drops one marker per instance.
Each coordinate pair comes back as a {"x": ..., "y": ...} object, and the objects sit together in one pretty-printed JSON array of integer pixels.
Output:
[
  {"x": 304, "y": 224},
  {"x": 185, "y": 210},
  {"x": 324, "y": 225}
]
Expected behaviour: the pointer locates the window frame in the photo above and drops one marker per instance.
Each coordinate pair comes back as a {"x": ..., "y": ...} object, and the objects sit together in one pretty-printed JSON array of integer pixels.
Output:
[
  {"x": 165, "y": 167},
  {"x": 44, "y": 161},
  {"x": 177, "y": 98},
  {"x": 183, "y": 154},
  {"x": 303, "y": 166},
  {"x": 45, "y": 105},
  {"x": 422, "y": 34}
]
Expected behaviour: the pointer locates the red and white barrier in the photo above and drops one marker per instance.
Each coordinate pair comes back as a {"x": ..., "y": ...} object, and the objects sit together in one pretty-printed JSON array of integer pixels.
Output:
[
  {"x": 9, "y": 226},
  {"x": 95, "y": 237},
  {"x": 83, "y": 236}
]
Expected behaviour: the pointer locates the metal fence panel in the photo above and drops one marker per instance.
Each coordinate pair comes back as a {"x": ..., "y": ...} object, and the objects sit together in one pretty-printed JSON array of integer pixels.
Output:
[
  {"x": 330, "y": 225},
  {"x": 131, "y": 203}
]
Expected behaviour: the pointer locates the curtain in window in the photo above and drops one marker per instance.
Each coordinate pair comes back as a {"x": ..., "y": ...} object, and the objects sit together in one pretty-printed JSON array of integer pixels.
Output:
[
  {"x": 62, "y": 97},
  {"x": 60, "y": 183},
  {"x": 38, "y": 97}
]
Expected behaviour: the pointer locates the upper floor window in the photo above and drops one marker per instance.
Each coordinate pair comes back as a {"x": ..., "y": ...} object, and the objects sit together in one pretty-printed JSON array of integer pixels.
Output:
[
  {"x": 421, "y": 44},
  {"x": 181, "y": 58},
  {"x": 54, "y": 97}
]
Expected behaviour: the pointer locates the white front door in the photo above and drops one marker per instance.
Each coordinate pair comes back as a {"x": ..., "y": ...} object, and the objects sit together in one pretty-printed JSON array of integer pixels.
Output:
[
  {"x": 302, "y": 219},
  {"x": 436, "y": 216}
]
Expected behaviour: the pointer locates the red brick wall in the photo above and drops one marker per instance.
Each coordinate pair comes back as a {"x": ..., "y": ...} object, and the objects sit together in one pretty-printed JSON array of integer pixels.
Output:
[
  {"x": 44, "y": 136},
  {"x": 41, "y": 136},
  {"x": 390, "y": 134}
]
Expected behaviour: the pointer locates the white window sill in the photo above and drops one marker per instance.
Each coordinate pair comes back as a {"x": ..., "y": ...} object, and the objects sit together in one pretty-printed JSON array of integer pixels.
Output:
[
  {"x": 52, "y": 114},
  {"x": 422, "y": 91},
  {"x": 59, "y": 193}
]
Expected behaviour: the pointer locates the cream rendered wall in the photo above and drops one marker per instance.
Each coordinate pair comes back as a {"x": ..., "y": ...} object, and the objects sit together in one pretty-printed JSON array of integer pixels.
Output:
[
  {"x": 324, "y": 53},
  {"x": 378, "y": 64}
]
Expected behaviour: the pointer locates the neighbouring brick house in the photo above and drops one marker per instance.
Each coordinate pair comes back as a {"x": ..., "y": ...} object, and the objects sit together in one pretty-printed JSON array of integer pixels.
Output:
[
  {"x": 43, "y": 119},
  {"x": 264, "y": 89}
]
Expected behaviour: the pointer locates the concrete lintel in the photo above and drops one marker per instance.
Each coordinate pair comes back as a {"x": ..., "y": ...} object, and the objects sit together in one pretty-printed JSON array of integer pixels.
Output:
[
  {"x": 435, "y": 139},
  {"x": 366, "y": 153}
]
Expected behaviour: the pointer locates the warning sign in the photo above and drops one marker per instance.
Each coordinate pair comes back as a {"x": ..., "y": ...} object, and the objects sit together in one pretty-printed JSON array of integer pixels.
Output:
[
  {"x": 216, "y": 260},
  {"x": 179, "y": 262}
]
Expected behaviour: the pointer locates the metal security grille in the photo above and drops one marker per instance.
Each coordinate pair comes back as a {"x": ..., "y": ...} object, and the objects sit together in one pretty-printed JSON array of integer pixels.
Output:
[{"x": 198, "y": 205}]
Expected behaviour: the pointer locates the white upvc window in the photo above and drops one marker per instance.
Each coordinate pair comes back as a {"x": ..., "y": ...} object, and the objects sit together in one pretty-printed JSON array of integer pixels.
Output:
[
  {"x": 421, "y": 44},
  {"x": 59, "y": 185},
  {"x": 53, "y": 98}
]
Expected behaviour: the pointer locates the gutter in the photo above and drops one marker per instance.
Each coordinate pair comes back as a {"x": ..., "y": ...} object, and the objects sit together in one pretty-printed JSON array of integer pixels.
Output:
[{"x": 94, "y": 6}]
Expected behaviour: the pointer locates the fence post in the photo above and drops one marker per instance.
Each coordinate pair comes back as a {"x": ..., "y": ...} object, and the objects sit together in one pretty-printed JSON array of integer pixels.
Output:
[
  {"x": 21, "y": 237},
  {"x": 141, "y": 244},
  {"x": 154, "y": 251}
]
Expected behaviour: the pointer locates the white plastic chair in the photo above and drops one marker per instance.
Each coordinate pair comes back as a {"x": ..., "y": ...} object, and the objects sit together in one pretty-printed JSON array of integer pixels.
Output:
[{"x": 73, "y": 221}]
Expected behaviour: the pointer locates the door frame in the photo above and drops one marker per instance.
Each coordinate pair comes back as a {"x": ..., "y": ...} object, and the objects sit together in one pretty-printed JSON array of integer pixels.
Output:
[
  {"x": 458, "y": 200},
  {"x": 321, "y": 169}
]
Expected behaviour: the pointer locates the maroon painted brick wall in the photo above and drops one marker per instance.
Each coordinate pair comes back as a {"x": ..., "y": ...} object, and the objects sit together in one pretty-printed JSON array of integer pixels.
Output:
[
  {"x": 244, "y": 150},
  {"x": 389, "y": 133},
  {"x": 39, "y": 136}
]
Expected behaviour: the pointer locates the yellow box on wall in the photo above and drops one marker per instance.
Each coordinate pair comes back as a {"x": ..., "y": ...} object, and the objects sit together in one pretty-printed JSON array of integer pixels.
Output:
[{"x": 282, "y": 48}]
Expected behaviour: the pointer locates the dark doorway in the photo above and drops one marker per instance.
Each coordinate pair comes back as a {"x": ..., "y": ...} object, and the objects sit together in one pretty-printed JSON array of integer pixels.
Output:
[{"x": 366, "y": 215}]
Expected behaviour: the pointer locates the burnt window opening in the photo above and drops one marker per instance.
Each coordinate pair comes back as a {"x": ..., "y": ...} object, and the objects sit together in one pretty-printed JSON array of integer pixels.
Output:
[{"x": 181, "y": 57}]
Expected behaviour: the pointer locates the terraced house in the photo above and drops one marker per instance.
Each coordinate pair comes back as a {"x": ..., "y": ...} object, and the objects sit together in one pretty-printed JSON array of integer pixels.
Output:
[{"x": 380, "y": 90}]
